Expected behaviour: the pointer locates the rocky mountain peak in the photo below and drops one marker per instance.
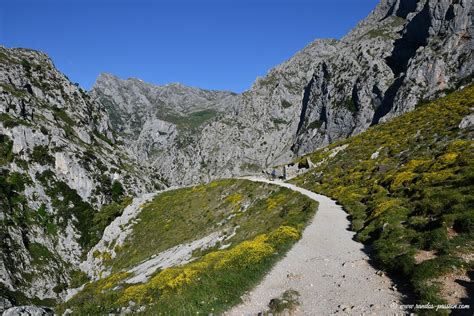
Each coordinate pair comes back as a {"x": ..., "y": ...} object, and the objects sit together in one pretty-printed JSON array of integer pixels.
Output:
[{"x": 402, "y": 53}]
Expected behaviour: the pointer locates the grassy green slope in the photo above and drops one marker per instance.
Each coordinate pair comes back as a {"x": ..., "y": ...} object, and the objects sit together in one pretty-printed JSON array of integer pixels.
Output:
[
  {"x": 414, "y": 202},
  {"x": 269, "y": 220}
]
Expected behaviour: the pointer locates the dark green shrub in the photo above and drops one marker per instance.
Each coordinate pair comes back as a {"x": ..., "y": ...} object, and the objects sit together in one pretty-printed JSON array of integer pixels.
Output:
[
  {"x": 465, "y": 223},
  {"x": 117, "y": 191},
  {"x": 107, "y": 214},
  {"x": 41, "y": 155},
  {"x": 68, "y": 205},
  {"x": 8, "y": 121},
  {"x": 6, "y": 146},
  {"x": 436, "y": 239},
  {"x": 316, "y": 124},
  {"x": 17, "y": 181},
  {"x": 404, "y": 264},
  {"x": 350, "y": 104},
  {"x": 285, "y": 104},
  {"x": 44, "y": 130},
  {"x": 26, "y": 65},
  {"x": 424, "y": 274}
]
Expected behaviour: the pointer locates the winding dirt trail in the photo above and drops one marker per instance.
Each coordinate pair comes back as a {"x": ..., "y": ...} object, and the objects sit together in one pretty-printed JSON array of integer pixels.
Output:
[{"x": 328, "y": 269}]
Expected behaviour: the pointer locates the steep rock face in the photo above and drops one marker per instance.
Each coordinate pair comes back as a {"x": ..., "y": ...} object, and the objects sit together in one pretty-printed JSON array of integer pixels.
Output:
[
  {"x": 261, "y": 131},
  {"x": 59, "y": 163},
  {"x": 404, "y": 52},
  {"x": 153, "y": 118},
  {"x": 250, "y": 130}
]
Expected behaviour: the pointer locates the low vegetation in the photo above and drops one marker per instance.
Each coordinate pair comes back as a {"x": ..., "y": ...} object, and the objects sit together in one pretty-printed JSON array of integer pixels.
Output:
[
  {"x": 408, "y": 186},
  {"x": 69, "y": 206},
  {"x": 192, "y": 120},
  {"x": 6, "y": 145},
  {"x": 284, "y": 304},
  {"x": 42, "y": 156},
  {"x": 267, "y": 220}
]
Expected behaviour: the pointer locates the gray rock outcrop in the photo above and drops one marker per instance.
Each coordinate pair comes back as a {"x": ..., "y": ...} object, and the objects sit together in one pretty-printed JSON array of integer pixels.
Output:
[
  {"x": 153, "y": 118},
  {"x": 467, "y": 122},
  {"x": 403, "y": 53},
  {"x": 59, "y": 159},
  {"x": 28, "y": 311}
]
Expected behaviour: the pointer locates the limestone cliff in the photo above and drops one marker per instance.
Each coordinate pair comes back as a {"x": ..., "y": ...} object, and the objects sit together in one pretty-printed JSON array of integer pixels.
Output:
[
  {"x": 59, "y": 164},
  {"x": 405, "y": 52}
]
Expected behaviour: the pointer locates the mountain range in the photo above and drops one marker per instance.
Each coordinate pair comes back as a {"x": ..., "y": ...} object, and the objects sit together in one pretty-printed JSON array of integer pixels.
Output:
[
  {"x": 72, "y": 161},
  {"x": 403, "y": 53}
]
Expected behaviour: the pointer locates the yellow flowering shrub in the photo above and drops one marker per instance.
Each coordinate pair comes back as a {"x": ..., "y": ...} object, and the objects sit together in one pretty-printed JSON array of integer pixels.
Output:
[
  {"x": 244, "y": 255},
  {"x": 415, "y": 163},
  {"x": 354, "y": 176},
  {"x": 383, "y": 207},
  {"x": 247, "y": 253},
  {"x": 136, "y": 293},
  {"x": 234, "y": 198},
  {"x": 171, "y": 279},
  {"x": 274, "y": 202},
  {"x": 448, "y": 158},
  {"x": 210, "y": 259},
  {"x": 437, "y": 176},
  {"x": 459, "y": 144},
  {"x": 283, "y": 235},
  {"x": 113, "y": 280},
  {"x": 198, "y": 188},
  {"x": 402, "y": 179}
]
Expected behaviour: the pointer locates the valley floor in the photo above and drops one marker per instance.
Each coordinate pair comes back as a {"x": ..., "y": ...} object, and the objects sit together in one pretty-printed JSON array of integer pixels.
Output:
[{"x": 328, "y": 269}]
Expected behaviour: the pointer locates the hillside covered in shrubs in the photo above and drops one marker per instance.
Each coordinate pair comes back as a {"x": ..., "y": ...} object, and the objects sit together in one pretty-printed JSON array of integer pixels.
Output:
[
  {"x": 408, "y": 186},
  {"x": 233, "y": 230}
]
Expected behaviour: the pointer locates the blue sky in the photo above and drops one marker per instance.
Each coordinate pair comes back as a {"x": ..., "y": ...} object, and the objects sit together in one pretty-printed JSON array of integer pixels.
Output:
[{"x": 213, "y": 44}]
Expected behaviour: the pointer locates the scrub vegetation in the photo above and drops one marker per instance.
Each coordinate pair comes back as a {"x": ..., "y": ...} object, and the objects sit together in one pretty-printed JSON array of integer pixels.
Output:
[
  {"x": 408, "y": 186},
  {"x": 267, "y": 220}
]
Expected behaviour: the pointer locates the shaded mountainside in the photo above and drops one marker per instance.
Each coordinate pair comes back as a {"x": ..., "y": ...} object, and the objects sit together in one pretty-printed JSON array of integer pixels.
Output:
[
  {"x": 408, "y": 186},
  {"x": 404, "y": 52},
  {"x": 59, "y": 164}
]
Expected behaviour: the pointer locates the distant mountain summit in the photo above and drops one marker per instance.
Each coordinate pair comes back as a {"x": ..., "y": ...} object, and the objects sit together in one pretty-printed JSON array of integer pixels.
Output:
[
  {"x": 403, "y": 53},
  {"x": 152, "y": 118}
]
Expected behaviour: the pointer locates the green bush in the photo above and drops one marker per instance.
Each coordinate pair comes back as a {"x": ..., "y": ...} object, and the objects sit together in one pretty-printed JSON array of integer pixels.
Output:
[
  {"x": 316, "y": 124},
  {"x": 436, "y": 239},
  {"x": 26, "y": 65},
  {"x": 41, "y": 155},
  {"x": 465, "y": 223},
  {"x": 350, "y": 104},
  {"x": 6, "y": 145},
  {"x": 106, "y": 215},
  {"x": 285, "y": 104},
  {"x": 117, "y": 191},
  {"x": 68, "y": 205},
  {"x": 8, "y": 121}
]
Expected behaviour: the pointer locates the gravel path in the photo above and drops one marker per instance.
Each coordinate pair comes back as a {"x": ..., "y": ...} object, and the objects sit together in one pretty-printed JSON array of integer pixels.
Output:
[{"x": 328, "y": 269}]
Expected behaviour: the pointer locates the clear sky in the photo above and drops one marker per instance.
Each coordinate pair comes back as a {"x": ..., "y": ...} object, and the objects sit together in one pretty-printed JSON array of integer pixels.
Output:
[{"x": 213, "y": 44}]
